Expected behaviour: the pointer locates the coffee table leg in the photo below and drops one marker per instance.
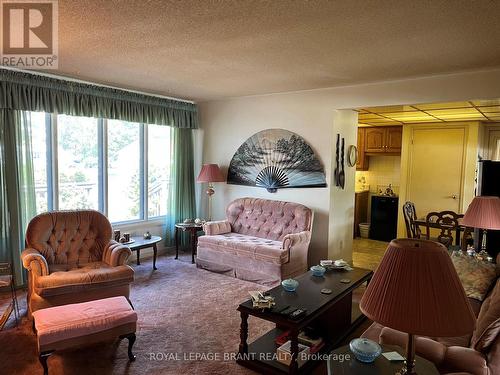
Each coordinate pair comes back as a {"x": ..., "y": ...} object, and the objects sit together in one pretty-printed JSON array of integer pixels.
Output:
[
  {"x": 243, "y": 349},
  {"x": 155, "y": 251},
  {"x": 138, "y": 251},
  {"x": 294, "y": 349},
  {"x": 176, "y": 235}
]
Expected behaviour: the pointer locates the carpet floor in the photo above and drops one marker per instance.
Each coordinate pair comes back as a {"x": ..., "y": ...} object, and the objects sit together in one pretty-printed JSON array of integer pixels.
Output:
[{"x": 184, "y": 312}]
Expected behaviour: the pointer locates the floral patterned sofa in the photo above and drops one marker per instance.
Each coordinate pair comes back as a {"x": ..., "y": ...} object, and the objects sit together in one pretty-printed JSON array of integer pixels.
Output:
[{"x": 262, "y": 241}]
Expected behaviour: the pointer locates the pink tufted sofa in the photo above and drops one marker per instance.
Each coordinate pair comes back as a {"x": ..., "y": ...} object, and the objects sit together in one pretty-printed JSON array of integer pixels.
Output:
[
  {"x": 262, "y": 240},
  {"x": 71, "y": 258}
]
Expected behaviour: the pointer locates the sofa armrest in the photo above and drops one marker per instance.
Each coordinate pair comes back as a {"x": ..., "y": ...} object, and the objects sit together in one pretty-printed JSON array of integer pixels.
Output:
[
  {"x": 451, "y": 358},
  {"x": 212, "y": 228},
  {"x": 297, "y": 240},
  {"x": 35, "y": 262},
  {"x": 116, "y": 254}
]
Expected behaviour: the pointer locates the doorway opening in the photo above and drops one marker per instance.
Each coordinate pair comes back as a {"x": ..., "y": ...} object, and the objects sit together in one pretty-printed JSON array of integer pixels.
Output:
[{"x": 429, "y": 154}]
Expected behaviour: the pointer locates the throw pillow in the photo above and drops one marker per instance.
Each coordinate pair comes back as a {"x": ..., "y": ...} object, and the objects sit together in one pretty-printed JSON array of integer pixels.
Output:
[{"x": 476, "y": 276}]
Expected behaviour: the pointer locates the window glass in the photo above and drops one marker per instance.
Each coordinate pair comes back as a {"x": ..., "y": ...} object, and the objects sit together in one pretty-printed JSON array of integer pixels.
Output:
[
  {"x": 124, "y": 178},
  {"x": 158, "y": 169},
  {"x": 39, "y": 152},
  {"x": 77, "y": 155}
]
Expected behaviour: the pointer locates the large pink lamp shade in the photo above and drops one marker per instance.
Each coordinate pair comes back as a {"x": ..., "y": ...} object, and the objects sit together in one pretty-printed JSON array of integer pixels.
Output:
[
  {"x": 210, "y": 173},
  {"x": 483, "y": 213},
  {"x": 416, "y": 289}
]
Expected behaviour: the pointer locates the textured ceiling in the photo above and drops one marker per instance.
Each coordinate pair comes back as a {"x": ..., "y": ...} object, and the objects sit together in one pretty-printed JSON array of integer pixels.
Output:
[{"x": 214, "y": 49}]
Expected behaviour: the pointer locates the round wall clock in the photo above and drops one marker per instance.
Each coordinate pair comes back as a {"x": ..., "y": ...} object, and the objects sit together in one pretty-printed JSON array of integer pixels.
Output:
[{"x": 352, "y": 155}]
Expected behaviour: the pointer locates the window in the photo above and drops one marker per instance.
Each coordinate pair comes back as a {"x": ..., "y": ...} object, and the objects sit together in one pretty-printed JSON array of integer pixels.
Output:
[
  {"x": 77, "y": 162},
  {"x": 124, "y": 172},
  {"x": 39, "y": 152},
  {"x": 117, "y": 167},
  {"x": 158, "y": 169}
]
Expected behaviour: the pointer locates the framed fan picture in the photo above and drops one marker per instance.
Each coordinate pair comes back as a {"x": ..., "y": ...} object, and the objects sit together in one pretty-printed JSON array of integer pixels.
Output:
[{"x": 274, "y": 159}]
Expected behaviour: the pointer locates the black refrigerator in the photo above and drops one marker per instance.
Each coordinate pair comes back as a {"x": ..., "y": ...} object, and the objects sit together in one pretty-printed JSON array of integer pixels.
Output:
[
  {"x": 489, "y": 184},
  {"x": 384, "y": 218}
]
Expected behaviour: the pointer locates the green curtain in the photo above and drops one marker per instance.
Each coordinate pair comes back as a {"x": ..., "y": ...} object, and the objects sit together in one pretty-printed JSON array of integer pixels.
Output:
[
  {"x": 31, "y": 92},
  {"x": 181, "y": 203},
  {"x": 18, "y": 204}
]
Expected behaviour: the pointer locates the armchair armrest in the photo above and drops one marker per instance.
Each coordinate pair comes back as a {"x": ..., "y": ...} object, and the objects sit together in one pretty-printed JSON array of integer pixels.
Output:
[
  {"x": 212, "y": 228},
  {"x": 34, "y": 262},
  {"x": 452, "y": 358},
  {"x": 116, "y": 254}
]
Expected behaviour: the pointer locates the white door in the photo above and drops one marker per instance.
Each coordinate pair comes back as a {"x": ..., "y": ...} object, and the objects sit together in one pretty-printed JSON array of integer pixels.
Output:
[{"x": 436, "y": 169}]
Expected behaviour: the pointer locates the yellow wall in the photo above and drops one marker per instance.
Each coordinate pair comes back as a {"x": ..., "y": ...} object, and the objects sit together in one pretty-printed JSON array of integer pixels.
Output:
[{"x": 469, "y": 169}]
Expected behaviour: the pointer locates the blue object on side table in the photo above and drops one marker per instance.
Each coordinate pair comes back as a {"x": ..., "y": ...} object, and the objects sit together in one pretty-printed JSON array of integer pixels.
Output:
[
  {"x": 318, "y": 270},
  {"x": 365, "y": 350},
  {"x": 290, "y": 285}
]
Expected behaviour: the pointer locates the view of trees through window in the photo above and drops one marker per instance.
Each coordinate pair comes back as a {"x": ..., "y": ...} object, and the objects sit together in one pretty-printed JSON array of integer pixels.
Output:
[
  {"x": 77, "y": 154},
  {"x": 68, "y": 158}
]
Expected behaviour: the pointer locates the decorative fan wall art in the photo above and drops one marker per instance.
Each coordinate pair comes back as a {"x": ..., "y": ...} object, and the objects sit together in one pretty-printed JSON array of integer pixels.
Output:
[{"x": 276, "y": 158}]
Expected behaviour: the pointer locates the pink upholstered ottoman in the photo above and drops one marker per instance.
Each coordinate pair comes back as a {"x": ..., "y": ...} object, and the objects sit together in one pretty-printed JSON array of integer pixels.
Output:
[{"x": 66, "y": 326}]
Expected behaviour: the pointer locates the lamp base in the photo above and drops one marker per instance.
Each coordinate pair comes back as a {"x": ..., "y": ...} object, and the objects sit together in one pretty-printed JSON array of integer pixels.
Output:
[{"x": 409, "y": 363}]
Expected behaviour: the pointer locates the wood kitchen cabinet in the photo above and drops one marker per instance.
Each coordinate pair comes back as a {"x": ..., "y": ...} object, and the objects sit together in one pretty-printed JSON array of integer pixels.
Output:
[
  {"x": 383, "y": 139},
  {"x": 362, "y": 162}
]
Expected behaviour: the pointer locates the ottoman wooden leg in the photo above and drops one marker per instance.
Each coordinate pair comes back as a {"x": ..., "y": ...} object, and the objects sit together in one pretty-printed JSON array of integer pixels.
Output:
[
  {"x": 131, "y": 340},
  {"x": 43, "y": 360}
]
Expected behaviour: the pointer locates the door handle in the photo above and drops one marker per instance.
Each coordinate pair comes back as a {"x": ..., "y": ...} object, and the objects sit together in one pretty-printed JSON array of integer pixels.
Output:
[{"x": 453, "y": 196}]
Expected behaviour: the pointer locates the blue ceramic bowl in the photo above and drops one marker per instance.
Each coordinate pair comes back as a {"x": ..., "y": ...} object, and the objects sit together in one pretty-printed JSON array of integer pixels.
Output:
[
  {"x": 318, "y": 270},
  {"x": 290, "y": 285},
  {"x": 365, "y": 350}
]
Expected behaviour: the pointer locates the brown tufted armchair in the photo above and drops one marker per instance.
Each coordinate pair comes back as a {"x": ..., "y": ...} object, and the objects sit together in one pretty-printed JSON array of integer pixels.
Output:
[{"x": 71, "y": 258}]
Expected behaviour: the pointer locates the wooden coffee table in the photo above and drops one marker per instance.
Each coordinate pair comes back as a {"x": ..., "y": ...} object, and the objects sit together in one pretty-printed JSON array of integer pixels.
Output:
[{"x": 331, "y": 314}]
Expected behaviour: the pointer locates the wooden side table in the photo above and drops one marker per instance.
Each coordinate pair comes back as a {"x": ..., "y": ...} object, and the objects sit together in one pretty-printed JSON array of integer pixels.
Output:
[
  {"x": 339, "y": 363},
  {"x": 141, "y": 243},
  {"x": 7, "y": 280},
  {"x": 193, "y": 229}
]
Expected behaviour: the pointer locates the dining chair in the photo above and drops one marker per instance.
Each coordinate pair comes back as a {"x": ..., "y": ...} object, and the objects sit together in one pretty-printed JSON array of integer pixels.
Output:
[
  {"x": 410, "y": 215},
  {"x": 447, "y": 222}
]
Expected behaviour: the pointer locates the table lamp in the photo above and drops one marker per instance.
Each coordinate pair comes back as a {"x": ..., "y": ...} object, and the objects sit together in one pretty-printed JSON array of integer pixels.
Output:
[
  {"x": 416, "y": 290},
  {"x": 483, "y": 213},
  {"x": 210, "y": 173}
]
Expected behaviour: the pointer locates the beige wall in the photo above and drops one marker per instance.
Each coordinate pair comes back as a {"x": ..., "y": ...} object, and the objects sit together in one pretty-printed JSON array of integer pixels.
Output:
[{"x": 312, "y": 114}]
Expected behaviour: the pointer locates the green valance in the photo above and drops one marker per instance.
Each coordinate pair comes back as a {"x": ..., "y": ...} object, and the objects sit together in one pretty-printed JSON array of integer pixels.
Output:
[{"x": 32, "y": 92}]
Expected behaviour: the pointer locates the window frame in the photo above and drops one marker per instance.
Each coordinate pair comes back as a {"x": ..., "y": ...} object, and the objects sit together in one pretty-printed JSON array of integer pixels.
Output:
[{"x": 52, "y": 168}]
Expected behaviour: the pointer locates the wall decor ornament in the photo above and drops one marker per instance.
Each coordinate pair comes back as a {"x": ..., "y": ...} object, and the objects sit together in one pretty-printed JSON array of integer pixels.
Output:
[{"x": 276, "y": 158}]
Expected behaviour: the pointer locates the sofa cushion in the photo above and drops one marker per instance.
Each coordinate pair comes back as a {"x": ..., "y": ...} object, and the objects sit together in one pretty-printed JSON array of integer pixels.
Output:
[
  {"x": 89, "y": 276},
  {"x": 246, "y": 246},
  {"x": 488, "y": 321},
  {"x": 476, "y": 276},
  {"x": 266, "y": 218},
  {"x": 80, "y": 319}
]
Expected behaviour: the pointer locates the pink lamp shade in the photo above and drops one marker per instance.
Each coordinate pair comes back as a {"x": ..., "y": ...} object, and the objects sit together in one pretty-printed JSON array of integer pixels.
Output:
[
  {"x": 483, "y": 213},
  {"x": 416, "y": 289},
  {"x": 210, "y": 173}
]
